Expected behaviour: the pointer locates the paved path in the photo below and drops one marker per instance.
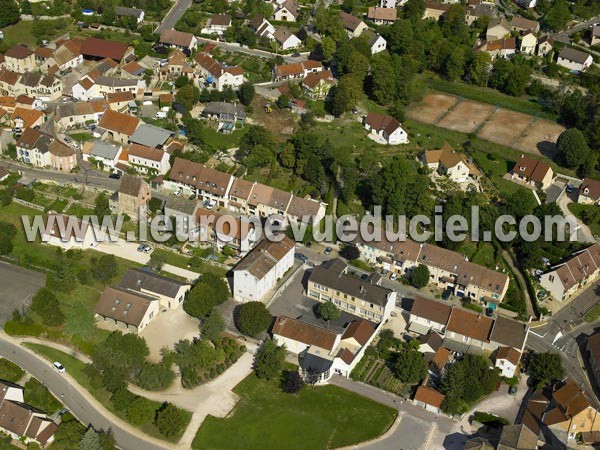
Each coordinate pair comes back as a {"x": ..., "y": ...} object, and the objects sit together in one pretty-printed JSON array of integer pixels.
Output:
[
  {"x": 235, "y": 47},
  {"x": 80, "y": 402},
  {"x": 584, "y": 234},
  {"x": 175, "y": 13},
  {"x": 508, "y": 257}
]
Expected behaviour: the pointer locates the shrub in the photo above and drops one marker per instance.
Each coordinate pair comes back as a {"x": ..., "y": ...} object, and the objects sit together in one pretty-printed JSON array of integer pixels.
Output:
[
  {"x": 292, "y": 382},
  {"x": 171, "y": 421},
  {"x": 140, "y": 411},
  {"x": 253, "y": 318}
]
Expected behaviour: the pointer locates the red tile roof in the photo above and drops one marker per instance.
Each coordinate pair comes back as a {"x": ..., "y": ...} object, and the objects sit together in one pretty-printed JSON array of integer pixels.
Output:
[{"x": 103, "y": 48}]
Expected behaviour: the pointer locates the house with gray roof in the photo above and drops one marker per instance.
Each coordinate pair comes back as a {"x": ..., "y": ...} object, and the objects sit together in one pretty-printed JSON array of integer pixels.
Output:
[
  {"x": 151, "y": 136},
  {"x": 138, "y": 14},
  {"x": 226, "y": 114},
  {"x": 168, "y": 291},
  {"x": 574, "y": 60},
  {"x": 183, "y": 210},
  {"x": 104, "y": 155}
]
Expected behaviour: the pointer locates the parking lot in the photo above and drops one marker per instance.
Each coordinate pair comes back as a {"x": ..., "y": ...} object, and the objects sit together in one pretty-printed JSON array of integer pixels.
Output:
[{"x": 18, "y": 286}]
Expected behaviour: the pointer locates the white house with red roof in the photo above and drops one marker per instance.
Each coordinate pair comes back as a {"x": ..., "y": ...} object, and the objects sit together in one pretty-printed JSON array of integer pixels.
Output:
[
  {"x": 217, "y": 74},
  {"x": 385, "y": 128}
]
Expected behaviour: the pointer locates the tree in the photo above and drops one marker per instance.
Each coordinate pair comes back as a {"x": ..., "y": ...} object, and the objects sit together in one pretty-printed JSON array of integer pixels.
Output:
[
  {"x": 246, "y": 93},
  {"x": 346, "y": 94},
  {"x": 212, "y": 325},
  {"x": 155, "y": 204},
  {"x": 105, "y": 268},
  {"x": 157, "y": 261},
  {"x": 101, "y": 206},
  {"x": 181, "y": 81},
  {"x": 283, "y": 101},
  {"x": 558, "y": 16},
  {"x": 420, "y": 276},
  {"x": 26, "y": 7},
  {"x": 210, "y": 291},
  {"x": 269, "y": 360},
  {"x": 414, "y": 9},
  {"x": 292, "y": 382},
  {"x": 253, "y": 318},
  {"x": 328, "y": 311},
  {"x": 410, "y": 366},
  {"x": 572, "y": 148},
  {"x": 479, "y": 68},
  {"x": 327, "y": 47},
  {"x": 170, "y": 420},
  {"x": 545, "y": 368},
  {"x": 7, "y": 234},
  {"x": 46, "y": 305},
  {"x": 350, "y": 252},
  {"x": 91, "y": 440},
  {"x": 118, "y": 350},
  {"x": 10, "y": 13},
  {"x": 188, "y": 95},
  {"x": 141, "y": 411},
  {"x": 155, "y": 377}
]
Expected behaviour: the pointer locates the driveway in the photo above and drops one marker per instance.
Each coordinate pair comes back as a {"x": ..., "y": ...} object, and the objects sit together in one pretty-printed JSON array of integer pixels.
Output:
[
  {"x": 180, "y": 326},
  {"x": 411, "y": 433},
  {"x": 584, "y": 234},
  {"x": 18, "y": 287}
]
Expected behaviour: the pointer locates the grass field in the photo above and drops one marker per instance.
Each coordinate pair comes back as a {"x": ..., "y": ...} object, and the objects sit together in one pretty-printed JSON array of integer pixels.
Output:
[
  {"x": 39, "y": 397},
  {"x": 315, "y": 418},
  {"x": 19, "y": 33},
  {"x": 219, "y": 141},
  {"x": 10, "y": 371}
]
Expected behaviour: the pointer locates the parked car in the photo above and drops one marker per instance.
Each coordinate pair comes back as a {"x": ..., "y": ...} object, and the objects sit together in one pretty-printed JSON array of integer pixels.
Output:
[
  {"x": 327, "y": 251},
  {"x": 446, "y": 294},
  {"x": 68, "y": 140},
  {"x": 58, "y": 367},
  {"x": 141, "y": 248},
  {"x": 210, "y": 204},
  {"x": 148, "y": 249},
  {"x": 296, "y": 55},
  {"x": 75, "y": 146},
  {"x": 393, "y": 276},
  {"x": 513, "y": 390},
  {"x": 569, "y": 189},
  {"x": 115, "y": 176},
  {"x": 301, "y": 257},
  {"x": 384, "y": 272}
]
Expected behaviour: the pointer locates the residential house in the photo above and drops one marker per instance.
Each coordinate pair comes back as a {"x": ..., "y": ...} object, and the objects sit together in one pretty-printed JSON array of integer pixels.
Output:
[
  {"x": 42, "y": 55},
  {"x": 353, "y": 25},
  {"x": 26, "y": 118},
  {"x": 317, "y": 85},
  {"x": 68, "y": 232},
  {"x": 25, "y": 423},
  {"x": 430, "y": 343},
  {"x": 446, "y": 161},
  {"x": 528, "y": 43},
  {"x": 429, "y": 398},
  {"x": 132, "y": 70},
  {"x": 545, "y": 45},
  {"x": 376, "y": 42},
  {"x": 507, "y": 360},
  {"x": 434, "y": 10},
  {"x": 217, "y": 24},
  {"x": 170, "y": 292},
  {"x": 324, "y": 352},
  {"x": 137, "y": 14},
  {"x": 287, "y": 12},
  {"x": 148, "y": 160},
  {"x": 19, "y": 59},
  {"x": 595, "y": 38},
  {"x": 119, "y": 127},
  {"x": 227, "y": 115},
  {"x": 364, "y": 298},
  {"x": 42, "y": 150},
  {"x": 504, "y": 48},
  {"x": 574, "y": 60},
  {"x": 133, "y": 196},
  {"x": 497, "y": 29},
  {"x": 151, "y": 136},
  {"x": 45, "y": 87},
  {"x": 576, "y": 272},
  {"x": 385, "y": 128},
  {"x": 532, "y": 172},
  {"x": 120, "y": 101},
  {"x": 261, "y": 269},
  {"x": 391, "y": 3},
  {"x": 4, "y": 174},
  {"x": 215, "y": 74},
  {"x": 98, "y": 49},
  {"x": 104, "y": 155},
  {"x": 589, "y": 192},
  {"x": 428, "y": 315},
  {"x": 262, "y": 27},
  {"x": 74, "y": 115},
  {"x": 127, "y": 309},
  {"x": 9, "y": 83},
  {"x": 382, "y": 16},
  {"x": 468, "y": 330},
  {"x": 84, "y": 88},
  {"x": 286, "y": 39},
  {"x": 104, "y": 86},
  {"x": 222, "y": 230},
  {"x": 523, "y": 25},
  {"x": 296, "y": 70},
  {"x": 517, "y": 437},
  {"x": 178, "y": 39},
  {"x": 477, "y": 10},
  {"x": 592, "y": 355},
  {"x": 509, "y": 333},
  {"x": 184, "y": 212}
]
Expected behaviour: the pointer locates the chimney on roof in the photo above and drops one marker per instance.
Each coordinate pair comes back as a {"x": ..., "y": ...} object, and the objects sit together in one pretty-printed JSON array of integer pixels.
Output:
[{"x": 362, "y": 289}]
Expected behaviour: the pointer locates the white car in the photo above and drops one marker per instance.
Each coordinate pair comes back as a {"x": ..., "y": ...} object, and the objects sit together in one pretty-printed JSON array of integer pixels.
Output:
[
  {"x": 58, "y": 367},
  {"x": 210, "y": 205}
]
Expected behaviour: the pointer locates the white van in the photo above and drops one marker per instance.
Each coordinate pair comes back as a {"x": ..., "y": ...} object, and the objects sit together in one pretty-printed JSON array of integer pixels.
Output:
[{"x": 160, "y": 115}]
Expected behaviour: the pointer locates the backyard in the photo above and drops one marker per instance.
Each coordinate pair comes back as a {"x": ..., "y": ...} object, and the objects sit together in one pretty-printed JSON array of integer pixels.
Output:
[{"x": 315, "y": 418}]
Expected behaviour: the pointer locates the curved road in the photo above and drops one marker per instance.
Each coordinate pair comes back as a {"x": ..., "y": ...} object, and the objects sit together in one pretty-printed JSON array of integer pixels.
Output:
[{"x": 86, "y": 409}]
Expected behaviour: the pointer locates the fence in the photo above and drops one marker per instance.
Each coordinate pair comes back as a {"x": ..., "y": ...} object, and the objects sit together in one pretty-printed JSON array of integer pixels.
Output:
[{"x": 28, "y": 204}]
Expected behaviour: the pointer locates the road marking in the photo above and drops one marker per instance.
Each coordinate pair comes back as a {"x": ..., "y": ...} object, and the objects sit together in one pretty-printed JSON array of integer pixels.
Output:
[
  {"x": 542, "y": 336},
  {"x": 557, "y": 337}
]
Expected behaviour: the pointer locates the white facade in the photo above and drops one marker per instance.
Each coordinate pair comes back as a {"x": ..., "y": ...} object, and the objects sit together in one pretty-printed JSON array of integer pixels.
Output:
[
  {"x": 574, "y": 65},
  {"x": 292, "y": 41},
  {"x": 379, "y": 45},
  {"x": 527, "y": 3},
  {"x": 528, "y": 44},
  {"x": 507, "y": 368},
  {"x": 439, "y": 327},
  {"x": 146, "y": 165}
]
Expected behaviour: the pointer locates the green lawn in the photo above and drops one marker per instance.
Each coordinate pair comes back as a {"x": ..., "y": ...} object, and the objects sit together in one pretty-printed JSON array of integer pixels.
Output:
[
  {"x": 593, "y": 314},
  {"x": 526, "y": 105},
  {"x": 38, "y": 396},
  {"x": 588, "y": 214},
  {"x": 316, "y": 418},
  {"x": 20, "y": 33},
  {"x": 9, "y": 371},
  {"x": 220, "y": 141}
]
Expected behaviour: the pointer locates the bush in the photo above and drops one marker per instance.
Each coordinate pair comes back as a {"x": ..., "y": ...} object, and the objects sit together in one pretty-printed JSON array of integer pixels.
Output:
[
  {"x": 25, "y": 327},
  {"x": 171, "y": 421},
  {"x": 155, "y": 377},
  {"x": 9, "y": 371},
  {"x": 253, "y": 318},
  {"x": 292, "y": 382},
  {"x": 209, "y": 292},
  {"x": 39, "y": 397},
  {"x": 420, "y": 276},
  {"x": 140, "y": 411},
  {"x": 122, "y": 399},
  {"x": 25, "y": 194}
]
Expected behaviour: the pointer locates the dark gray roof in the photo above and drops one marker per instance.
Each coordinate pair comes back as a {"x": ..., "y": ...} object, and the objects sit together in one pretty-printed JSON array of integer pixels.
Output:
[
  {"x": 124, "y": 11},
  {"x": 573, "y": 55},
  {"x": 220, "y": 108},
  {"x": 104, "y": 150},
  {"x": 181, "y": 205},
  {"x": 329, "y": 275},
  {"x": 137, "y": 279},
  {"x": 509, "y": 332},
  {"x": 115, "y": 82},
  {"x": 150, "y": 136},
  {"x": 316, "y": 363}
]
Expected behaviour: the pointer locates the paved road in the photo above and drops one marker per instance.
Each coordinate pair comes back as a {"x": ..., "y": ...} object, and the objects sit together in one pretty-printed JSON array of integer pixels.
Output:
[
  {"x": 173, "y": 16},
  {"x": 564, "y": 35},
  {"x": 254, "y": 52},
  {"x": 562, "y": 335},
  {"x": 93, "y": 180},
  {"x": 85, "y": 410}
]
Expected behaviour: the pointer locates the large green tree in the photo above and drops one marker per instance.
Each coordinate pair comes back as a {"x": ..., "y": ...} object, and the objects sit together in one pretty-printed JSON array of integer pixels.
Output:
[
  {"x": 545, "y": 368},
  {"x": 572, "y": 148},
  {"x": 253, "y": 318},
  {"x": 410, "y": 366},
  {"x": 46, "y": 305},
  {"x": 269, "y": 360},
  {"x": 10, "y": 13}
]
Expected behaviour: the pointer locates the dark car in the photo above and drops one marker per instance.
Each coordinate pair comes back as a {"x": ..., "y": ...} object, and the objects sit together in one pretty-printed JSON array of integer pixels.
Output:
[
  {"x": 296, "y": 55},
  {"x": 446, "y": 294},
  {"x": 489, "y": 312},
  {"x": 327, "y": 251},
  {"x": 115, "y": 176},
  {"x": 301, "y": 257}
]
